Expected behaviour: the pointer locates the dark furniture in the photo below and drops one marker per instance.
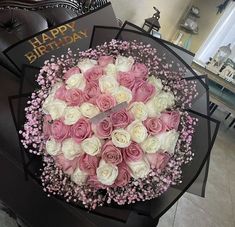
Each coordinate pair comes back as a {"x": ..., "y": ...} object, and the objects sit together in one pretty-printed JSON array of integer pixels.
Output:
[
  {"x": 222, "y": 92},
  {"x": 21, "y": 19}
]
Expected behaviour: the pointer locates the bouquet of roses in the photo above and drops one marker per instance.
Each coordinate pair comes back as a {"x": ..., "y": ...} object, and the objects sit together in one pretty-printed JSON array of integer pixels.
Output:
[{"x": 110, "y": 124}]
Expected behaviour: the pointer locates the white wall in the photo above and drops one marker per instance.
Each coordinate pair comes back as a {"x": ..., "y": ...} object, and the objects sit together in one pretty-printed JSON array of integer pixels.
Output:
[{"x": 136, "y": 11}]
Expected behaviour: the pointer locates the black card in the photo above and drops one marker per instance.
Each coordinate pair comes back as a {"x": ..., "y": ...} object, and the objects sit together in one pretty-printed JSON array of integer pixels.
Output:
[{"x": 74, "y": 34}]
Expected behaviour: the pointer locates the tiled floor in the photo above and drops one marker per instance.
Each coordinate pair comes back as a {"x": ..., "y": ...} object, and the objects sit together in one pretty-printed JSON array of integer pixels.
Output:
[{"x": 217, "y": 209}]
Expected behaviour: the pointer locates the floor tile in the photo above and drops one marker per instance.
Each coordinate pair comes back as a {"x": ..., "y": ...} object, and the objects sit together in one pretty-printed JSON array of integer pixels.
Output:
[
  {"x": 217, "y": 202},
  {"x": 167, "y": 220},
  {"x": 217, "y": 209},
  {"x": 6, "y": 220},
  {"x": 189, "y": 214}
]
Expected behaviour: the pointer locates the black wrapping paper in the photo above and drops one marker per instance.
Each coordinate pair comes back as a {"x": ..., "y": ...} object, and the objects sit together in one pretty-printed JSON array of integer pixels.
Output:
[{"x": 203, "y": 139}]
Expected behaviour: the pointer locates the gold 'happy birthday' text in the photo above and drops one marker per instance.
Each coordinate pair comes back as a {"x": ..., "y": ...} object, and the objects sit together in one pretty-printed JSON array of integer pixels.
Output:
[{"x": 54, "y": 39}]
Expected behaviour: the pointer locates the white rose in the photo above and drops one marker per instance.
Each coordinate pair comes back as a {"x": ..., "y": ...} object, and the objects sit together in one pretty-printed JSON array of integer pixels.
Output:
[
  {"x": 151, "y": 144},
  {"x": 76, "y": 81},
  {"x": 121, "y": 138},
  {"x": 55, "y": 108},
  {"x": 139, "y": 169},
  {"x": 150, "y": 108},
  {"x": 55, "y": 87},
  {"x": 89, "y": 110},
  {"x": 168, "y": 140},
  {"x": 123, "y": 94},
  {"x": 86, "y": 64},
  {"x": 164, "y": 100},
  {"x": 70, "y": 149},
  {"x": 106, "y": 173},
  {"x": 137, "y": 131},
  {"x": 71, "y": 115},
  {"x": 111, "y": 70},
  {"x": 91, "y": 146},
  {"x": 138, "y": 109},
  {"x": 124, "y": 64},
  {"x": 108, "y": 84},
  {"x": 47, "y": 101},
  {"x": 79, "y": 177},
  {"x": 156, "y": 82},
  {"x": 159, "y": 103},
  {"x": 52, "y": 147}
]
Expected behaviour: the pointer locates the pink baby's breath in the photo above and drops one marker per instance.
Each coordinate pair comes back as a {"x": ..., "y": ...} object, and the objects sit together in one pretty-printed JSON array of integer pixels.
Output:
[{"x": 126, "y": 190}]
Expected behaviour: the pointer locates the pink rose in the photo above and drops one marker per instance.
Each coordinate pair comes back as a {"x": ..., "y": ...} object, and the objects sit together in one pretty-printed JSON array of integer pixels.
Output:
[
  {"x": 111, "y": 154},
  {"x": 81, "y": 130},
  {"x": 74, "y": 97},
  {"x": 61, "y": 93},
  {"x": 93, "y": 74},
  {"x": 46, "y": 128},
  {"x": 103, "y": 129},
  {"x": 72, "y": 71},
  {"x": 105, "y": 60},
  {"x": 132, "y": 153},
  {"x": 155, "y": 125},
  {"x": 120, "y": 119},
  {"x": 143, "y": 91},
  {"x": 94, "y": 182},
  {"x": 124, "y": 176},
  {"x": 126, "y": 79},
  {"x": 88, "y": 163},
  {"x": 158, "y": 160},
  {"x": 59, "y": 130},
  {"x": 105, "y": 102},
  {"x": 140, "y": 70},
  {"x": 68, "y": 166},
  {"x": 171, "y": 119},
  {"x": 92, "y": 100},
  {"x": 92, "y": 91}
]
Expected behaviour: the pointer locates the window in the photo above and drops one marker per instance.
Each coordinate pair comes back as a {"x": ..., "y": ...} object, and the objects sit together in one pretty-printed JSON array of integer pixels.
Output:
[{"x": 222, "y": 34}]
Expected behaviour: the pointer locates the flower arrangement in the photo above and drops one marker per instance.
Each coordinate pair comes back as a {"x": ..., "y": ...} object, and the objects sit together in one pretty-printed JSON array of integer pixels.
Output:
[{"x": 111, "y": 124}]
